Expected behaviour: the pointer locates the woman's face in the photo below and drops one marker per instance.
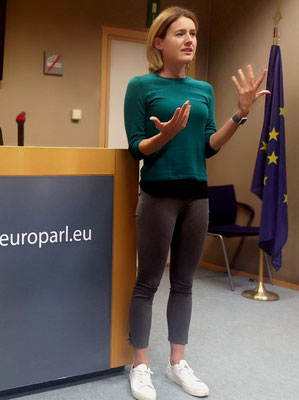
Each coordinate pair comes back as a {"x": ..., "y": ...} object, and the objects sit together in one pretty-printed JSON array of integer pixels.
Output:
[{"x": 179, "y": 44}]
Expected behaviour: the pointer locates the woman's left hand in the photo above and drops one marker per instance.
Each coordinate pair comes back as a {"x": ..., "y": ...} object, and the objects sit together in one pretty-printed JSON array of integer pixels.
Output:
[{"x": 247, "y": 91}]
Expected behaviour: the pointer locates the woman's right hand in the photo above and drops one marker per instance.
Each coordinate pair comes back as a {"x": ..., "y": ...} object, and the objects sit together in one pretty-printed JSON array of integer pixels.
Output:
[
  {"x": 176, "y": 123},
  {"x": 167, "y": 130}
]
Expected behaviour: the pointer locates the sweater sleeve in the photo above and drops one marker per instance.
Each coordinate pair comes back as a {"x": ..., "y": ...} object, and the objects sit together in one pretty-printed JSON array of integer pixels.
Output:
[
  {"x": 210, "y": 125},
  {"x": 134, "y": 114}
]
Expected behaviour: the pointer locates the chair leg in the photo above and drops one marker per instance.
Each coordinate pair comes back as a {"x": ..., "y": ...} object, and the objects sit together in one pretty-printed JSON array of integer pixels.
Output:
[
  {"x": 268, "y": 268},
  {"x": 226, "y": 263}
]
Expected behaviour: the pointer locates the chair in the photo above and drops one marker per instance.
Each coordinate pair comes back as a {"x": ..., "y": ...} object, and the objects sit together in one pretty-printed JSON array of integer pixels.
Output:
[{"x": 223, "y": 209}]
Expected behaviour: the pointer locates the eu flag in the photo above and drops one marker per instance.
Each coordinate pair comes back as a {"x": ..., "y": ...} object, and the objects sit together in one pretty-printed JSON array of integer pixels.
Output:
[{"x": 269, "y": 179}]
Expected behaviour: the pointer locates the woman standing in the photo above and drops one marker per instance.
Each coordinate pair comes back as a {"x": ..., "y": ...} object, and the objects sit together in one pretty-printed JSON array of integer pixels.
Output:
[{"x": 172, "y": 210}]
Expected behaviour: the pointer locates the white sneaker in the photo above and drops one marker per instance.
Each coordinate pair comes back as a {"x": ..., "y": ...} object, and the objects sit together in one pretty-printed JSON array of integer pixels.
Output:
[
  {"x": 141, "y": 383},
  {"x": 184, "y": 376}
]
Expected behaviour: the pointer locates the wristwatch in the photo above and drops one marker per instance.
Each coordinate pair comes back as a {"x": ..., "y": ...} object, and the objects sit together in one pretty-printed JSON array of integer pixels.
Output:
[{"x": 238, "y": 120}]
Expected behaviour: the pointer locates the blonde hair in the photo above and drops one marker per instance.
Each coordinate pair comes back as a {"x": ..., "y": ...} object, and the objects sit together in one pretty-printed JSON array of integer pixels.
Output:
[{"x": 159, "y": 29}]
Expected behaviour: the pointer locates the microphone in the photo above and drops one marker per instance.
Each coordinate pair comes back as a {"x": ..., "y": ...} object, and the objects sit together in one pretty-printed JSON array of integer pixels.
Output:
[{"x": 21, "y": 118}]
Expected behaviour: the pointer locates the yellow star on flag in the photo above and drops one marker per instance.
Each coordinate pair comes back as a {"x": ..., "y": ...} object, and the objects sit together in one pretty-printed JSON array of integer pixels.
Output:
[
  {"x": 265, "y": 146},
  {"x": 273, "y": 158},
  {"x": 273, "y": 134},
  {"x": 281, "y": 111},
  {"x": 265, "y": 180},
  {"x": 285, "y": 198}
]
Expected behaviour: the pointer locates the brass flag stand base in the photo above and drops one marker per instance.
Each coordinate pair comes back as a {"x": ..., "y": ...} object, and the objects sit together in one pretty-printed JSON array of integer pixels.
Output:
[{"x": 260, "y": 292}]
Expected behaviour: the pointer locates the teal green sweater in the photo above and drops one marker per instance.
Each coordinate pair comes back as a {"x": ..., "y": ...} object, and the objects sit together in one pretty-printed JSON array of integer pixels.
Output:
[{"x": 184, "y": 156}]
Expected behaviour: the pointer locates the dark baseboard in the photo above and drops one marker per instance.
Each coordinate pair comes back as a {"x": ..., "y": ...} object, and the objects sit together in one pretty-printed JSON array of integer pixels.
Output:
[{"x": 57, "y": 384}]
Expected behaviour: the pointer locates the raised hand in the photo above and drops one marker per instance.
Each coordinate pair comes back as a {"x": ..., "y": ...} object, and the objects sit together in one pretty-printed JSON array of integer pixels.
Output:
[
  {"x": 176, "y": 123},
  {"x": 247, "y": 90}
]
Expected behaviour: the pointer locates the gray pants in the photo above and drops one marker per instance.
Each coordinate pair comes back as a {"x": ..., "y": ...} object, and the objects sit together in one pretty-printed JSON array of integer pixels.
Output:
[{"x": 163, "y": 223}]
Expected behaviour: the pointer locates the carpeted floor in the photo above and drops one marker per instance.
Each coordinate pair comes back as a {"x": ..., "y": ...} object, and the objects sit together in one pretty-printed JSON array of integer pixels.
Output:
[{"x": 242, "y": 349}]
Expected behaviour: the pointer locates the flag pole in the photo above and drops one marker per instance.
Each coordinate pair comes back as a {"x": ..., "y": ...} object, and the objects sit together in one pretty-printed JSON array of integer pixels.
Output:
[
  {"x": 260, "y": 292},
  {"x": 277, "y": 17}
]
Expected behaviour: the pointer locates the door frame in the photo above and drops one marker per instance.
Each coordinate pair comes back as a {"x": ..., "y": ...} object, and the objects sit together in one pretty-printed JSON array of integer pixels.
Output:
[{"x": 109, "y": 34}]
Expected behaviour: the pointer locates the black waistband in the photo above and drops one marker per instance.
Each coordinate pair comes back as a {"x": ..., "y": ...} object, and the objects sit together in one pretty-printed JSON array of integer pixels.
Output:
[{"x": 182, "y": 188}]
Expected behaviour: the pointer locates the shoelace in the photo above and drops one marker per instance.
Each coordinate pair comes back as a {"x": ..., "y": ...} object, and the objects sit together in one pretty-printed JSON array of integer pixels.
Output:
[
  {"x": 188, "y": 372},
  {"x": 144, "y": 376}
]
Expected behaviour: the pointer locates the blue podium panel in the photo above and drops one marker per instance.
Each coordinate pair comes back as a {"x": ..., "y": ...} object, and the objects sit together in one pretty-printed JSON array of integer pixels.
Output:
[{"x": 55, "y": 277}]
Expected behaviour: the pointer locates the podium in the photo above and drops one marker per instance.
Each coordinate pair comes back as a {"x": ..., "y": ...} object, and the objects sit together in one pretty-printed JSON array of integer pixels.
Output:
[{"x": 67, "y": 262}]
